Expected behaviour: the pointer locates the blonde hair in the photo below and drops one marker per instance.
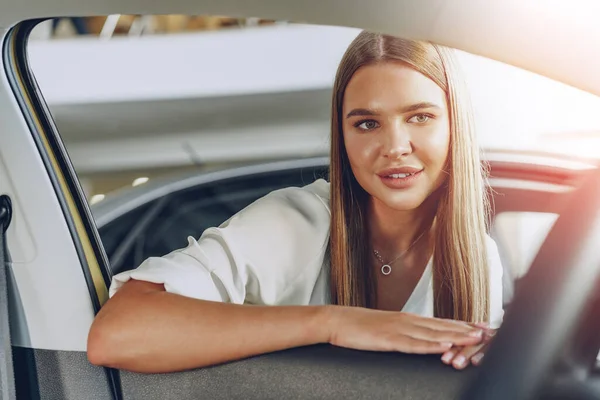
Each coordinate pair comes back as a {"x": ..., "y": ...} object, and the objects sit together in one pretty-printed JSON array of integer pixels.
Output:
[{"x": 460, "y": 272}]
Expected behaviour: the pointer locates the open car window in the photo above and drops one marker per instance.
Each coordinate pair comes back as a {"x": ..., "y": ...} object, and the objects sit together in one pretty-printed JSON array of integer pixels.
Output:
[{"x": 169, "y": 220}]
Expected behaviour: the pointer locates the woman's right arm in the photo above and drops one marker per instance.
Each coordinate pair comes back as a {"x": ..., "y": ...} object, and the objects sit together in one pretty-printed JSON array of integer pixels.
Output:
[{"x": 143, "y": 328}]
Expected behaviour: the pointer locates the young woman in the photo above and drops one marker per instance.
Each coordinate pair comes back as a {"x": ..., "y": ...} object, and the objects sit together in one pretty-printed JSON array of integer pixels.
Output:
[{"x": 392, "y": 255}]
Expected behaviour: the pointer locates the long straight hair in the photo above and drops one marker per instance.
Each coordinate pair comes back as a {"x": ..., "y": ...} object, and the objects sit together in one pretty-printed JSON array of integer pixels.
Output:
[{"x": 460, "y": 264}]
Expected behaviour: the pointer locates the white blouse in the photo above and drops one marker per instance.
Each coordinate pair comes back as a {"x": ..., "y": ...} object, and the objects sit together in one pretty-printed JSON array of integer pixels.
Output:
[{"x": 273, "y": 253}]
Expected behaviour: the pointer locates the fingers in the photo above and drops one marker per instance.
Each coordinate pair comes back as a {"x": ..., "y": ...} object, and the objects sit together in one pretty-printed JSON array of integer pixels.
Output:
[
  {"x": 478, "y": 357},
  {"x": 457, "y": 338},
  {"x": 423, "y": 335},
  {"x": 408, "y": 344},
  {"x": 449, "y": 356},
  {"x": 445, "y": 324},
  {"x": 465, "y": 356},
  {"x": 444, "y": 330},
  {"x": 419, "y": 340},
  {"x": 461, "y": 357}
]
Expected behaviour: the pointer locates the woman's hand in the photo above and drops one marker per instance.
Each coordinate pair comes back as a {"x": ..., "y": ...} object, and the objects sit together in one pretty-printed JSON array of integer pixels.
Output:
[
  {"x": 375, "y": 330},
  {"x": 461, "y": 357}
]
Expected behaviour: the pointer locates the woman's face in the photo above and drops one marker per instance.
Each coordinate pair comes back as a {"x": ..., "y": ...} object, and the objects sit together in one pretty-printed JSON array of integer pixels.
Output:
[{"x": 396, "y": 133}]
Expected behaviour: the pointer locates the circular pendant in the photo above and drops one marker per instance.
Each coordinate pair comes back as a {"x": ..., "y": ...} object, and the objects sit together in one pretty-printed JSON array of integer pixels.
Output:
[{"x": 386, "y": 269}]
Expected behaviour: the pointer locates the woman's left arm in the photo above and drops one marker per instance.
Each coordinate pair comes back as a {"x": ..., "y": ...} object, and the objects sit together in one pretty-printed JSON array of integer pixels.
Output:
[{"x": 461, "y": 357}]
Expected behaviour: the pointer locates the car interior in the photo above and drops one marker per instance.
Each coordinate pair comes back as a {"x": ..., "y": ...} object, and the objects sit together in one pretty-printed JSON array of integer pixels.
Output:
[{"x": 547, "y": 347}]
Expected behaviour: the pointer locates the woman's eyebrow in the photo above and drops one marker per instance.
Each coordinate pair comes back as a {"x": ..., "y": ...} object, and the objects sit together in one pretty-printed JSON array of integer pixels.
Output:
[
  {"x": 418, "y": 106},
  {"x": 362, "y": 112}
]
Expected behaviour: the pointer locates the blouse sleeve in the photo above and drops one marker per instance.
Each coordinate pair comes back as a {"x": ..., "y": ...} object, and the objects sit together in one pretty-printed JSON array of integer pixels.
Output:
[
  {"x": 496, "y": 291},
  {"x": 251, "y": 258}
]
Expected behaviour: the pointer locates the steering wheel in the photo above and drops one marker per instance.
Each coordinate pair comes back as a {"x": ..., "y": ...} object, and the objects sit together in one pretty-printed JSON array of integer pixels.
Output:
[{"x": 548, "y": 302}]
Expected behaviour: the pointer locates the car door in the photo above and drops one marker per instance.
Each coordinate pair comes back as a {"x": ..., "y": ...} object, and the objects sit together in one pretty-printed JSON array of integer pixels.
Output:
[
  {"x": 7, "y": 386},
  {"x": 60, "y": 271},
  {"x": 46, "y": 330}
]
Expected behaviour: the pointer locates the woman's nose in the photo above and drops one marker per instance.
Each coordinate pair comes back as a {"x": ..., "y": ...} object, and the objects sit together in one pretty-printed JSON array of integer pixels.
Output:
[{"x": 397, "y": 143}]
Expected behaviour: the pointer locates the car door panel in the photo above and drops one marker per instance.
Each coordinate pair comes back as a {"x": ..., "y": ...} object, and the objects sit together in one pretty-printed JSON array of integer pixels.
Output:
[
  {"x": 312, "y": 372},
  {"x": 7, "y": 378},
  {"x": 59, "y": 375}
]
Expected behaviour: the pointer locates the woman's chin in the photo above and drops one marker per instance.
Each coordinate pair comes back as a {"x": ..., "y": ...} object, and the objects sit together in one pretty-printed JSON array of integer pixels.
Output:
[
  {"x": 399, "y": 200},
  {"x": 405, "y": 204},
  {"x": 404, "y": 207}
]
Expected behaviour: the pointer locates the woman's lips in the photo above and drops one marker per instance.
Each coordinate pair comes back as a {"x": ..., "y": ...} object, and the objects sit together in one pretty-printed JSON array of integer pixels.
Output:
[{"x": 400, "y": 180}]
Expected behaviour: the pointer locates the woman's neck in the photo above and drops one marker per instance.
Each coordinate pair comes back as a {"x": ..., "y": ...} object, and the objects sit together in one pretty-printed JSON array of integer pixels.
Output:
[{"x": 392, "y": 231}]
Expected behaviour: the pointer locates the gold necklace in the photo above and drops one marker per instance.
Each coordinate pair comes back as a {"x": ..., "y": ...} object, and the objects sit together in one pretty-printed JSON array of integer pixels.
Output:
[{"x": 386, "y": 268}]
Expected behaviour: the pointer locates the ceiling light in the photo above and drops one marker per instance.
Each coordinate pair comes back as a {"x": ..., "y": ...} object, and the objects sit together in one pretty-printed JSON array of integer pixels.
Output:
[
  {"x": 97, "y": 198},
  {"x": 140, "y": 181}
]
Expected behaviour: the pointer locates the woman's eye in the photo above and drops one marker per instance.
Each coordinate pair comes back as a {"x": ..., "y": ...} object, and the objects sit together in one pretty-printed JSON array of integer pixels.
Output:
[
  {"x": 367, "y": 125},
  {"x": 420, "y": 119}
]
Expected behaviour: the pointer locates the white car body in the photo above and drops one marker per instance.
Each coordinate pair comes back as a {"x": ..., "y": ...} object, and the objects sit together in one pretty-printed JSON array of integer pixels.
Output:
[{"x": 56, "y": 264}]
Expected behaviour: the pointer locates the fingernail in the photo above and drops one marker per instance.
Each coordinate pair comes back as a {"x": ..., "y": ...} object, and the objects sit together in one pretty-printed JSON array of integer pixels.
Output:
[
  {"x": 476, "y": 333},
  {"x": 477, "y": 358},
  {"x": 446, "y": 344},
  {"x": 459, "y": 361},
  {"x": 447, "y": 357}
]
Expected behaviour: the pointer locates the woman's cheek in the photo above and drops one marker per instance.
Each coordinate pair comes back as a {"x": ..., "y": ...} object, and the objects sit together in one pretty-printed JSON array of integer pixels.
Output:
[
  {"x": 360, "y": 147},
  {"x": 434, "y": 142},
  {"x": 369, "y": 148}
]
